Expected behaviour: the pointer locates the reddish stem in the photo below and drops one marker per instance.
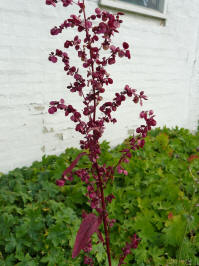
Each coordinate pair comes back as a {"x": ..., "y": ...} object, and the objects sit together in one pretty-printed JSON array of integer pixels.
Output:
[
  {"x": 120, "y": 160},
  {"x": 92, "y": 67},
  {"x": 104, "y": 216},
  {"x": 96, "y": 166}
]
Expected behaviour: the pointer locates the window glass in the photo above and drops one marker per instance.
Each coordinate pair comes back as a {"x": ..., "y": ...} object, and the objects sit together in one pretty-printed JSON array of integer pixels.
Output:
[{"x": 153, "y": 4}]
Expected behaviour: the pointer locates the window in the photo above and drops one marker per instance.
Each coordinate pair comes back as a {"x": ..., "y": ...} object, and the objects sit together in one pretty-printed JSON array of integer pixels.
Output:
[
  {"x": 153, "y": 4},
  {"x": 153, "y": 8}
]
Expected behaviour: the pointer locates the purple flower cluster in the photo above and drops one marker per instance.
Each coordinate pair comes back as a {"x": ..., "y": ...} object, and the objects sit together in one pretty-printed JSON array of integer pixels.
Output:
[
  {"x": 97, "y": 30},
  {"x": 54, "y": 2},
  {"x": 88, "y": 261},
  {"x": 127, "y": 249}
]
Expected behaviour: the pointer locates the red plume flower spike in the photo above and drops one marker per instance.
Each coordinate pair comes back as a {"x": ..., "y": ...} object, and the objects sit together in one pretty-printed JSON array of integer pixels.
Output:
[{"x": 98, "y": 30}]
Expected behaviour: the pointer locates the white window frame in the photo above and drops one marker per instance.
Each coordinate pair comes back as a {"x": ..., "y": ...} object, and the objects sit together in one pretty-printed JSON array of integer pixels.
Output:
[{"x": 128, "y": 7}]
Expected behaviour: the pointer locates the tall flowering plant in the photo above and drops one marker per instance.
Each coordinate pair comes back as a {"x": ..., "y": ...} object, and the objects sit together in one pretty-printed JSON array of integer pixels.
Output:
[{"x": 97, "y": 31}]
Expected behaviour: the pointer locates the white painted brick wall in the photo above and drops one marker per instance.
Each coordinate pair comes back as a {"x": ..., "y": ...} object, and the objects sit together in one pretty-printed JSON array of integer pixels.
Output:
[{"x": 164, "y": 64}]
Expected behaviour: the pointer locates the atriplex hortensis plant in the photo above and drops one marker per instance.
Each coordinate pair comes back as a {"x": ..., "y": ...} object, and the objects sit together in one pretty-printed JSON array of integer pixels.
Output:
[{"x": 96, "y": 33}]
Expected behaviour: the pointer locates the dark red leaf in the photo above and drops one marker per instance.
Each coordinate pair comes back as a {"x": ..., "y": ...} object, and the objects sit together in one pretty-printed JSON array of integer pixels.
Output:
[
  {"x": 170, "y": 215},
  {"x": 192, "y": 157},
  {"x": 88, "y": 227},
  {"x": 73, "y": 164}
]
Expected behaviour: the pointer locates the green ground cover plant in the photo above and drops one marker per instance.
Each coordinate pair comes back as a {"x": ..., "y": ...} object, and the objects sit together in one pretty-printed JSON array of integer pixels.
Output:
[{"x": 159, "y": 200}]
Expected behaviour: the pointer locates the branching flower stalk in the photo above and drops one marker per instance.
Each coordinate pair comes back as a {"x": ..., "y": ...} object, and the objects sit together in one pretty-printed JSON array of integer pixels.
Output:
[{"x": 94, "y": 36}]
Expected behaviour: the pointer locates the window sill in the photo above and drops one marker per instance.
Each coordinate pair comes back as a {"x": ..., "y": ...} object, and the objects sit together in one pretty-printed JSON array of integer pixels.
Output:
[{"x": 133, "y": 8}]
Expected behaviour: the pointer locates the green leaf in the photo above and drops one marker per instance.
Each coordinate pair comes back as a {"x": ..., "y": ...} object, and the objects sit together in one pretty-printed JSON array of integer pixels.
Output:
[{"x": 174, "y": 231}]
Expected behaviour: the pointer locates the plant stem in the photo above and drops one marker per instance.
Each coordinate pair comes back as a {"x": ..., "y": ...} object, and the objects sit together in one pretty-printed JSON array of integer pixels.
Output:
[
  {"x": 104, "y": 216},
  {"x": 92, "y": 67},
  {"x": 96, "y": 165},
  {"x": 187, "y": 224}
]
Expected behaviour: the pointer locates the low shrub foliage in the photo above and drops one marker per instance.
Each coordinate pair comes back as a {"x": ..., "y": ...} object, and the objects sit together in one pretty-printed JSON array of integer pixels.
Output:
[{"x": 158, "y": 199}]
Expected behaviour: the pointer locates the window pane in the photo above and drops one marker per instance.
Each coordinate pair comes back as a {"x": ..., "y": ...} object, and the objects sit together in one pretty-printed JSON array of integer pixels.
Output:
[{"x": 154, "y": 4}]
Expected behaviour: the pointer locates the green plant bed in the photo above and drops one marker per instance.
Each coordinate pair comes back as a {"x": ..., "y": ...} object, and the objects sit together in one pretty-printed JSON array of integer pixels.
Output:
[{"x": 158, "y": 200}]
